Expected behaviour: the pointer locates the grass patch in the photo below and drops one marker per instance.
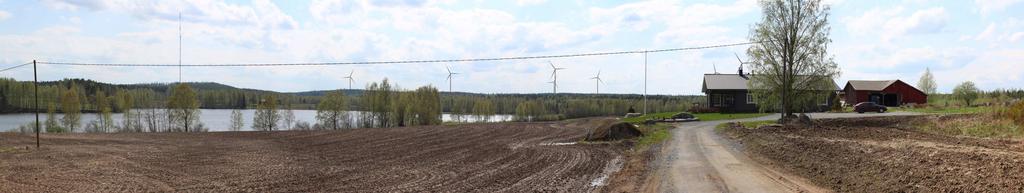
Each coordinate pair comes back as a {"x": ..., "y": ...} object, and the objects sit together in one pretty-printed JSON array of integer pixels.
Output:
[
  {"x": 653, "y": 134},
  {"x": 977, "y": 125},
  {"x": 946, "y": 110},
  {"x": 701, "y": 116}
]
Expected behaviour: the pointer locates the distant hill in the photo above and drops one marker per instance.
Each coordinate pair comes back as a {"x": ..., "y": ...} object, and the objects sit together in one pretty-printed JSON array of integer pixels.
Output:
[{"x": 91, "y": 85}]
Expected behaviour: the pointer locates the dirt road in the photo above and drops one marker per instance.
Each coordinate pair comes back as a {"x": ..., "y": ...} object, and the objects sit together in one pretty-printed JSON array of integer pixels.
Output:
[
  {"x": 698, "y": 160},
  {"x": 505, "y": 157}
]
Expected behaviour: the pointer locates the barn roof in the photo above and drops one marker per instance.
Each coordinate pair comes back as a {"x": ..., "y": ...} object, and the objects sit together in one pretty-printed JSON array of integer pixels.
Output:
[{"x": 871, "y": 85}]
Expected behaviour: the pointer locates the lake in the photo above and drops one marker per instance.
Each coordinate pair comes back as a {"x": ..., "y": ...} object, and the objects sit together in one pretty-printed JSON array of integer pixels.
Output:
[{"x": 214, "y": 119}]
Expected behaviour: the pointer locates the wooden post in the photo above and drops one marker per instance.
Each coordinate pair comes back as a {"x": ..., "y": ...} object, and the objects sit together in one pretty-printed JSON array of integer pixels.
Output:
[{"x": 35, "y": 81}]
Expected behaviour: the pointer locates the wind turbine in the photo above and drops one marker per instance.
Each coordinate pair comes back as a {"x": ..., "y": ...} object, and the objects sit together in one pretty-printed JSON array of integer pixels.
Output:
[
  {"x": 350, "y": 79},
  {"x": 450, "y": 74},
  {"x": 597, "y": 82},
  {"x": 554, "y": 77},
  {"x": 741, "y": 62}
]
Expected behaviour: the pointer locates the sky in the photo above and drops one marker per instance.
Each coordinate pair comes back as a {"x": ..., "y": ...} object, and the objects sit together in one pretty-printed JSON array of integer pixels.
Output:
[{"x": 980, "y": 41}]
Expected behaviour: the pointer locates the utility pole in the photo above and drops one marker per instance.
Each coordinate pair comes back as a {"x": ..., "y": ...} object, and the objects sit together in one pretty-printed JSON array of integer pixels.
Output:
[
  {"x": 645, "y": 82},
  {"x": 35, "y": 81},
  {"x": 179, "y": 47}
]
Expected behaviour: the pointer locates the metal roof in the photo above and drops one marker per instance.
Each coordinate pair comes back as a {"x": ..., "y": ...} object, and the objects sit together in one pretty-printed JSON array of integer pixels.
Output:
[
  {"x": 733, "y": 82},
  {"x": 725, "y": 82},
  {"x": 871, "y": 85}
]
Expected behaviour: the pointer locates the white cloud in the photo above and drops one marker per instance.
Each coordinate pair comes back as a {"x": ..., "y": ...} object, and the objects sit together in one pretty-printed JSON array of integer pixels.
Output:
[
  {"x": 263, "y": 13},
  {"x": 4, "y": 15},
  {"x": 992, "y": 69},
  {"x": 680, "y": 21},
  {"x": 988, "y": 7},
  {"x": 926, "y": 21},
  {"x": 998, "y": 33}
]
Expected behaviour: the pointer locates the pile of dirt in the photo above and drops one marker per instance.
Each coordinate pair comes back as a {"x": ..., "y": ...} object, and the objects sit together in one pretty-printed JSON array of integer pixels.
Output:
[
  {"x": 614, "y": 131},
  {"x": 499, "y": 157},
  {"x": 885, "y": 154}
]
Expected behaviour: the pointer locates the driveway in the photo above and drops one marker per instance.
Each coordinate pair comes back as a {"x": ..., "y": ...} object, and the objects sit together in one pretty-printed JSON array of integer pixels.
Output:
[{"x": 698, "y": 160}]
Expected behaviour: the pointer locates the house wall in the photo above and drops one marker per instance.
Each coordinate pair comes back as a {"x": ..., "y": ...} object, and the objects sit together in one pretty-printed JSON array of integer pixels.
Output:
[{"x": 738, "y": 105}]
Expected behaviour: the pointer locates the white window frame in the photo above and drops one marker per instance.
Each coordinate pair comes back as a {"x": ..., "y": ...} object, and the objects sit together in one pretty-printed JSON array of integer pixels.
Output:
[{"x": 750, "y": 98}]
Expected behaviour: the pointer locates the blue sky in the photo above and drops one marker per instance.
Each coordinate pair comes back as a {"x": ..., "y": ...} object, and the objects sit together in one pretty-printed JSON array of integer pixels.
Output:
[{"x": 980, "y": 41}]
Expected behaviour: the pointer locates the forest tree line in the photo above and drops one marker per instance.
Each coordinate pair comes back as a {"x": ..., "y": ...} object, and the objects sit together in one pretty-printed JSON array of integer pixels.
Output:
[{"x": 174, "y": 107}]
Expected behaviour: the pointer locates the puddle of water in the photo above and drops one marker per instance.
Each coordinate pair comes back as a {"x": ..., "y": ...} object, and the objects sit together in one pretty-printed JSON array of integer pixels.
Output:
[{"x": 613, "y": 166}]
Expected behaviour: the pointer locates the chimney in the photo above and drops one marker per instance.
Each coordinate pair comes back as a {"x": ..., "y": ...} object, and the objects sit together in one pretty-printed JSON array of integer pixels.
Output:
[{"x": 741, "y": 70}]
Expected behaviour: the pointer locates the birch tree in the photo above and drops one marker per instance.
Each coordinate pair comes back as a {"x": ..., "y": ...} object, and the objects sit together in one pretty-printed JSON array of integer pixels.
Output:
[
  {"x": 966, "y": 92},
  {"x": 927, "y": 82},
  {"x": 790, "y": 61},
  {"x": 331, "y": 112},
  {"x": 266, "y": 117},
  {"x": 72, "y": 108},
  {"x": 183, "y": 108},
  {"x": 236, "y": 120}
]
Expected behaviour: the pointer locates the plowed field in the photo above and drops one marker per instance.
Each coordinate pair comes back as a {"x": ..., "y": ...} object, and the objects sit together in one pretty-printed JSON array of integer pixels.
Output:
[
  {"x": 505, "y": 157},
  {"x": 887, "y": 154}
]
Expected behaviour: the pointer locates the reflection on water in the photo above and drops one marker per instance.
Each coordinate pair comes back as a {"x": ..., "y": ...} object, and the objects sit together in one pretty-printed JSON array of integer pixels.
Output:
[{"x": 214, "y": 119}]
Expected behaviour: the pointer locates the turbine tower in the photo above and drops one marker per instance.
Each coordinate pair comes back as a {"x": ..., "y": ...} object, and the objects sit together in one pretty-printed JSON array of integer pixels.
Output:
[
  {"x": 554, "y": 77},
  {"x": 450, "y": 74},
  {"x": 350, "y": 79},
  {"x": 597, "y": 82}
]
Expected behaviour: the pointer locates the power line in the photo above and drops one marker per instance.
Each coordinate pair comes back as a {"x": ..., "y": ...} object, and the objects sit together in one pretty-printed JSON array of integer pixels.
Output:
[
  {"x": 398, "y": 61},
  {"x": 13, "y": 67}
]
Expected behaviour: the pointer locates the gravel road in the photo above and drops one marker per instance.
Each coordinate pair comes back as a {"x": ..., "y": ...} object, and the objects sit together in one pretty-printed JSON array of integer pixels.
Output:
[{"x": 696, "y": 159}]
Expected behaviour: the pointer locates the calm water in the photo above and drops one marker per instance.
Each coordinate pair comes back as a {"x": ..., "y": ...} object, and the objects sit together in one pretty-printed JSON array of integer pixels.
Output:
[{"x": 214, "y": 119}]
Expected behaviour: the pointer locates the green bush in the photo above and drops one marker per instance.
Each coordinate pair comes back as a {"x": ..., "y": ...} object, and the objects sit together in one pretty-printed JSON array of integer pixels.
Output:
[{"x": 1015, "y": 112}]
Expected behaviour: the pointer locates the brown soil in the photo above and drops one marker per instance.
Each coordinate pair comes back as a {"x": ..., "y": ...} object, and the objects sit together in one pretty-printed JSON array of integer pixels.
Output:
[
  {"x": 886, "y": 154},
  {"x": 617, "y": 130},
  {"x": 507, "y": 157},
  {"x": 636, "y": 173}
]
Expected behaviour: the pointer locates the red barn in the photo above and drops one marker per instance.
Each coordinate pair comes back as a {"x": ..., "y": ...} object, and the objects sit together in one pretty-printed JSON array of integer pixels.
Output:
[{"x": 883, "y": 92}]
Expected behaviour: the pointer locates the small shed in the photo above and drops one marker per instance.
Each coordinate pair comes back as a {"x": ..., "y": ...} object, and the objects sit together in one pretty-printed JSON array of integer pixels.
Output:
[{"x": 883, "y": 92}]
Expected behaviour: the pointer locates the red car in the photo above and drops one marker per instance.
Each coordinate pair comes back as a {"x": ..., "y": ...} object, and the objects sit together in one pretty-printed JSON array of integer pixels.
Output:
[{"x": 869, "y": 107}]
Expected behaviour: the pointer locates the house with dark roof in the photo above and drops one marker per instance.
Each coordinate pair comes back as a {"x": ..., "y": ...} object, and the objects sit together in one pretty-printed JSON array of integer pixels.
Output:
[
  {"x": 729, "y": 93},
  {"x": 883, "y": 92}
]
